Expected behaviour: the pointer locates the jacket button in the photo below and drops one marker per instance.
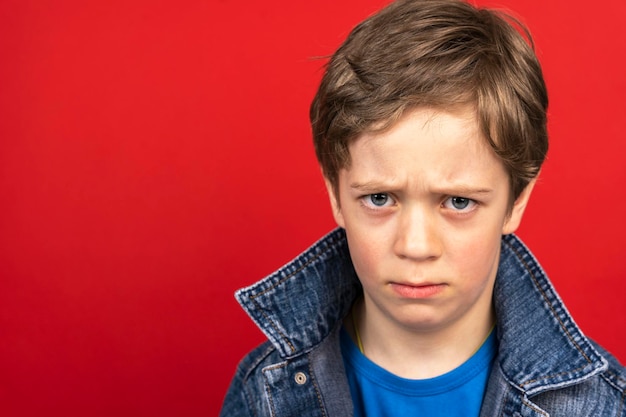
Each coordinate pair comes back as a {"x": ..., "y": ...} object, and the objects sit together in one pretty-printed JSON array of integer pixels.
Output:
[{"x": 300, "y": 378}]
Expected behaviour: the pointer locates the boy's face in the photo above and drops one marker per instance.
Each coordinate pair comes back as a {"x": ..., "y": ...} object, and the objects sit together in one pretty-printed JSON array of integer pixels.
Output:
[{"x": 424, "y": 205}]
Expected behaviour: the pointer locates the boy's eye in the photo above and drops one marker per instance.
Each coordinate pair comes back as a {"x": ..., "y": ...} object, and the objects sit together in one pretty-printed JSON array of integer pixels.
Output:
[
  {"x": 459, "y": 203},
  {"x": 378, "y": 199}
]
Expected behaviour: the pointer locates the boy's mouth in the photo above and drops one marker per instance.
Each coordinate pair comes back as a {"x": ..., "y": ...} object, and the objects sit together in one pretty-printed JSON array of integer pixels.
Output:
[{"x": 422, "y": 290}]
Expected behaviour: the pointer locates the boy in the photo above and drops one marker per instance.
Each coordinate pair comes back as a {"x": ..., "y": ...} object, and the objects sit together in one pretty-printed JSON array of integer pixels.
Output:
[{"x": 430, "y": 128}]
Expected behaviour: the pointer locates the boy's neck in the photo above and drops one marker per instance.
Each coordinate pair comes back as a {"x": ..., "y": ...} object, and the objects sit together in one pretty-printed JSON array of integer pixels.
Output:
[{"x": 419, "y": 354}]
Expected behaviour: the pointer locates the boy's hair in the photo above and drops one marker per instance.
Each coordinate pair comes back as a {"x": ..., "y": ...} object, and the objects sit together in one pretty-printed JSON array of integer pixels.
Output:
[{"x": 441, "y": 54}]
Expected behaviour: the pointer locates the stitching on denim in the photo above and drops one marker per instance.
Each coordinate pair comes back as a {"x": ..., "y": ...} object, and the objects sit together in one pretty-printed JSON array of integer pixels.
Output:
[
  {"x": 552, "y": 375},
  {"x": 260, "y": 358},
  {"x": 249, "y": 402},
  {"x": 246, "y": 375},
  {"x": 534, "y": 407},
  {"x": 324, "y": 249},
  {"x": 554, "y": 313},
  {"x": 268, "y": 389},
  {"x": 271, "y": 322},
  {"x": 269, "y": 399},
  {"x": 613, "y": 374},
  {"x": 608, "y": 374},
  {"x": 317, "y": 390},
  {"x": 506, "y": 399},
  {"x": 614, "y": 385},
  {"x": 545, "y": 297},
  {"x": 248, "y": 398},
  {"x": 253, "y": 297}
]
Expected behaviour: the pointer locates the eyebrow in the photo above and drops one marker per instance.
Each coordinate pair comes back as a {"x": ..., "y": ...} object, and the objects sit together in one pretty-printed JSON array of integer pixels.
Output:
[
  {"x": 463, "y": 189},
  {"x": 370, "y": 186},
  {"x": 449, "y": 189}
]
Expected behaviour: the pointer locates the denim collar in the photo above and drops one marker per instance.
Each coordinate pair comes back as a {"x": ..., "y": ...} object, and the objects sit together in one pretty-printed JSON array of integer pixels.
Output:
[{"x": 540, "y": 346}]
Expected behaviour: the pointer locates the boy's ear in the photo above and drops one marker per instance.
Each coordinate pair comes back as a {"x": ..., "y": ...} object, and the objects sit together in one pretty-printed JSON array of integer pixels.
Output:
[
  {"x": 333, "y": 195},
  {"x": 514, "y": 219}
]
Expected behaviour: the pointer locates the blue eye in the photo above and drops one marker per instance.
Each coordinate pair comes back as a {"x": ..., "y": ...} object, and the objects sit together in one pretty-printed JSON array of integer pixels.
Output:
[
  {"x": 379, "y": 199},
  {"x": 460, "y": 203}
]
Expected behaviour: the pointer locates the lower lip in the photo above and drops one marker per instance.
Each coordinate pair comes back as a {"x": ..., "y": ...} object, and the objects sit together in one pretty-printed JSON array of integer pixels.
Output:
[{"x": 417, "y": 291}]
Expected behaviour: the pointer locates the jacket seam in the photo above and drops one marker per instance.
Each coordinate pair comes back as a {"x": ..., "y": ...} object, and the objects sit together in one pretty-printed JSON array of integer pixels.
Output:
[
  {"x": 318, "y": 394},
  {"x": 503, "y": 403},
  {"x": 246, "y": 396},
  {"x": 269, "y": 390},
  {"x": 249, "y": 402},
  {"x": 618, "y": 388},
  {"x": 271, "y": 322},
  {"x": 612, "y": 383},
  {"x": 551, "y": 376},
  {"x": 246, "y": 376},
  {"x": 532, "y": 406},
  {"x": 260, "y": 358},
  {"x": 554, "y": 313}
]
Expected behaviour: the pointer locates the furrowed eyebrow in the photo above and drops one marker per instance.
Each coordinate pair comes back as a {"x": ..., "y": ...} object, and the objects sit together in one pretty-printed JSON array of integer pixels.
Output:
[
  {"x": 449, "y": 189},
  {"x": 463, "y": 189},
  {"x": 371, "y": 186}
]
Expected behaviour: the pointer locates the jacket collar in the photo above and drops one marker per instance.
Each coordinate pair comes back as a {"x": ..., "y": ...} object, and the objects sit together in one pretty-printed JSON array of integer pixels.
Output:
[
  {"x": 540, "y": 345},
  {"x": 300, "y": 304}
]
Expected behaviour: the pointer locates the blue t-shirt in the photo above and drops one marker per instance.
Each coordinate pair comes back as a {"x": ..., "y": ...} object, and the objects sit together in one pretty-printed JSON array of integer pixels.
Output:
[{"x": 379, "y": 393}]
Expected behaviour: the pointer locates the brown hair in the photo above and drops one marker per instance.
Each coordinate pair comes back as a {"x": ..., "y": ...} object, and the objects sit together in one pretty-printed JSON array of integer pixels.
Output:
[{"x": 441, "y": 54}]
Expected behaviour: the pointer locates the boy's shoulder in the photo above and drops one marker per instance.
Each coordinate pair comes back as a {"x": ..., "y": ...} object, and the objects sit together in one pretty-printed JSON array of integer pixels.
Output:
[
  {"x": 308, "y": 383},
  {"x": 246, "y": 391},
  {"x": 601, "y": 395},
  {"x": 256, "y": 359}
]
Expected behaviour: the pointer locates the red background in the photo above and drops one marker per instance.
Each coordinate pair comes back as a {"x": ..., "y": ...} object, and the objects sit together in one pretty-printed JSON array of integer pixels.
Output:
[{"x": 155, "y": 156}]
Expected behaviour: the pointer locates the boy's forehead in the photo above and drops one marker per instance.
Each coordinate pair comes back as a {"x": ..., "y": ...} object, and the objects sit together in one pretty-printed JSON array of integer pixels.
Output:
[
  {"x": 442, "y": 148},
  {"x": 458, "y": 121},
  {"x": 428, "y": 118}
]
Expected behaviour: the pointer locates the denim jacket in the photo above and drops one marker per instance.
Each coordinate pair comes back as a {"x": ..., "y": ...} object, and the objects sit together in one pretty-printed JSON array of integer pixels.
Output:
[{"x": 545, "y": 366}]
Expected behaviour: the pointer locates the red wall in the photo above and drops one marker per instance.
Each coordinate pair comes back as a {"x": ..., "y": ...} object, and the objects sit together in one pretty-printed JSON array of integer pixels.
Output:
[{"x": 155, "y": 156}]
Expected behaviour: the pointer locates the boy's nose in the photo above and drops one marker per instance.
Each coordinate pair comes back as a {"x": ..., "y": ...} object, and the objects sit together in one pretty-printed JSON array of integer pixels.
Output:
[{"x": 417, "y": 235}]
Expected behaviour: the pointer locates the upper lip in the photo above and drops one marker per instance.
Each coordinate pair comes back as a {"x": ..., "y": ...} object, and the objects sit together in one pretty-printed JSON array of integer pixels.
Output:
[{"x": 417, "y": 284}]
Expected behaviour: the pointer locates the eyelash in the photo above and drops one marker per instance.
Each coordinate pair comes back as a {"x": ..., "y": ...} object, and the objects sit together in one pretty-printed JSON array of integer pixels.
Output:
[
  {"x": 470, "y": 207},
  {"x": 366, "y": 201}
]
